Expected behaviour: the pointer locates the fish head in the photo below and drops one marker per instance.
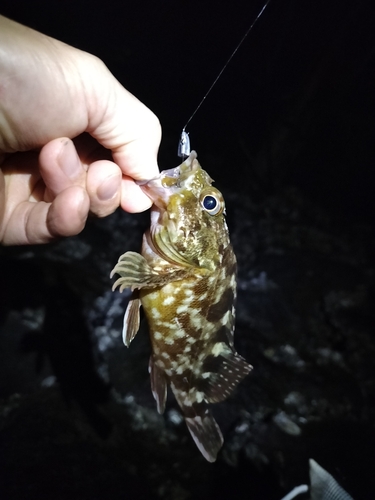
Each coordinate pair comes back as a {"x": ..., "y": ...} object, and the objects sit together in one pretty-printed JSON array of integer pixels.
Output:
[{"x": 188, "y": 226}]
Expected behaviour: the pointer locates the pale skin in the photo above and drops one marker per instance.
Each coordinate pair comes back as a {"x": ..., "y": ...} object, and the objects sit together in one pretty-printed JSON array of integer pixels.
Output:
[{"x": 73, "y": 141}]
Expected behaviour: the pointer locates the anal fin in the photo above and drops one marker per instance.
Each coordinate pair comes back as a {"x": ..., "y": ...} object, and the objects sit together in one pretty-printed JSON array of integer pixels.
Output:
[
  {"x": 158, "y": 385},
  {"x": 206, "y": 434}
]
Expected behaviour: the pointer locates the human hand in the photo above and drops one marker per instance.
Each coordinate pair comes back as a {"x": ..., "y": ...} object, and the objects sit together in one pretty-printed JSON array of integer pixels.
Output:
[{"x": 51, "y": 93}]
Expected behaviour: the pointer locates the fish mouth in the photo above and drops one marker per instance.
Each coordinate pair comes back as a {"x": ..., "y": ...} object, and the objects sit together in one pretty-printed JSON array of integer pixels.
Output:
[
  {"x": 168, "y": 182},
  {"x": 169, "y": 175}
]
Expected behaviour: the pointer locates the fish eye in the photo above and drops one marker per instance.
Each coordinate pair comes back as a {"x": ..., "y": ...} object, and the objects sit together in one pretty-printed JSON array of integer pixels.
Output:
[{"x": 212, "y": 204}]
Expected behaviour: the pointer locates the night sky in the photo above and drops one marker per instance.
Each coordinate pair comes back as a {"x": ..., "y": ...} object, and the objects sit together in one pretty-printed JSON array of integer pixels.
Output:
[{"x": 294, "y": 107}]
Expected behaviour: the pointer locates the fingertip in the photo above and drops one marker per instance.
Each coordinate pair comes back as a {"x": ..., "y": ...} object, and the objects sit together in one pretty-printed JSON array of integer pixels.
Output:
[
  {"x": 68, "y": 212},
  {"x": 103, "y": 185},
  {"x": 133, "y": 199},
  {"x": 50, "y": 152},
  {"x": 138, "y": 162},
  {"x": 60, "y": 166}
]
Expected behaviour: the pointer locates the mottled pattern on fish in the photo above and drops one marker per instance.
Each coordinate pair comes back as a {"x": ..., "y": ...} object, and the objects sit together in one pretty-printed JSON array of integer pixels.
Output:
[{"x": 185, "y": 280}]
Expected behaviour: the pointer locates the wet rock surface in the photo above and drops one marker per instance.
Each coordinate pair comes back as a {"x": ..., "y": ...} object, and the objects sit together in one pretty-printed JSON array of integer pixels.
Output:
[{"x": 77, "y": 418}]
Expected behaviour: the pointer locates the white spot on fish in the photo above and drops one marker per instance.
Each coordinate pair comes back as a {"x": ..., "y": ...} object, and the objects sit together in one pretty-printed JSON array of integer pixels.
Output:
[
  {"x": 188, "y": 284},
  {"x": 218, "y": 349},
  {"x": 197, "y": 371},
  {"x": 195, "y": 319},
  {"x": 188, "y": 300},
  {"x": 201, "y": 356},
  {"x": 168, "y": 288},
  {"x": 199, "y": 396},
  {"x": 169, "y": 300},
  {"x": 158, "y": 335},
  {"x": 207, "y": 334},
  {"x": 155, "y": 313},
  {"x": 225, "y": 318},
  {"x": 171, "y": 326},
  {"x": 174, "y": 365},
  {"x": 181, "y": 309}
]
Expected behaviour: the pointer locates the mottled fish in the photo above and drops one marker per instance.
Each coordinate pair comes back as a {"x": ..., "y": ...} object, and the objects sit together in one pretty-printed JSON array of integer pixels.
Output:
[{"x": 185, "y": 279}]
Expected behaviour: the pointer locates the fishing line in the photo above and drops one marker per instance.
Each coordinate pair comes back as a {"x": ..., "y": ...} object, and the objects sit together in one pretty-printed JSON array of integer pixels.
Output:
[{"x": 184, "y": 144}]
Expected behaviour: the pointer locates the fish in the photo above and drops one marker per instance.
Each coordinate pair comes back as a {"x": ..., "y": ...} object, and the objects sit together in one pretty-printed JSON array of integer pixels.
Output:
[
  {"x": 185, "y": 280},
  {"x": 323, "y": 486}
]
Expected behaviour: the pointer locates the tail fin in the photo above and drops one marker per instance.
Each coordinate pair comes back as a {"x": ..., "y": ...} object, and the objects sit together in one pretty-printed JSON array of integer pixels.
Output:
[{"x": 206, "y": 434}]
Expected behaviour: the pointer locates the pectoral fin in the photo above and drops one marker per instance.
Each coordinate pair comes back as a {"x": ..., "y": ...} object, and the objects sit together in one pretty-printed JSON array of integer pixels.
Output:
[
  {"x": 131, "y": 319},
  {"x": 135, "y": 272}
]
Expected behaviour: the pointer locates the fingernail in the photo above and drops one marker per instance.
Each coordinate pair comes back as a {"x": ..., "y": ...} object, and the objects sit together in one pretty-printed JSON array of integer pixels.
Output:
[
  {"x": 108, "y": 189},
  {"x": 68, "y": 160}
]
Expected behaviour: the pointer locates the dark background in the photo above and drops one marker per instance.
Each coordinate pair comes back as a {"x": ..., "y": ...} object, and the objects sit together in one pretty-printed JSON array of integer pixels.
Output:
[
  {"x": 288, "y": 135},
  {"x": 295, "y": 106}
]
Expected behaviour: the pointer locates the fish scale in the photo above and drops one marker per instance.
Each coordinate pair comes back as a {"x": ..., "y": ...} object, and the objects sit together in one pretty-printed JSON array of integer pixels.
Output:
[{"x": 185, "y": 280}]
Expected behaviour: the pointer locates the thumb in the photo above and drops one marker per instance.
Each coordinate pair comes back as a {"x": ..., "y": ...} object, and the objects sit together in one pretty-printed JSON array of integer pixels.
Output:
[{"x": 121, "y": 123}]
